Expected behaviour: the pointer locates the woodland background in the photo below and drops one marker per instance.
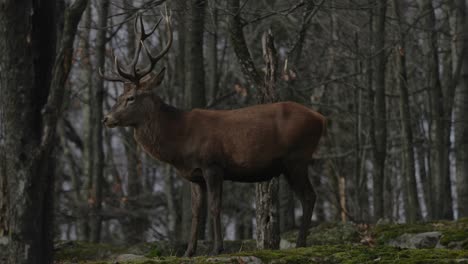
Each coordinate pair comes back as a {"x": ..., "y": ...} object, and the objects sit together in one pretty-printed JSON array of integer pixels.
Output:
[{"x": 390, "y": 76}]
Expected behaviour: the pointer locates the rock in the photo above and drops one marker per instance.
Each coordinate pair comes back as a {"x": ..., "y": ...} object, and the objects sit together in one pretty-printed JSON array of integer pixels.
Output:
[
  {"x": 4, "y": 240},
  {"x": 239, "y": 260},
  {"x": 384, "y": 221},
  {"x": 285, "y": 244},
  {"x": 460, "y": 245},
  {"x": 128, "y": 257},
  {"x": 421, "y": 240}
]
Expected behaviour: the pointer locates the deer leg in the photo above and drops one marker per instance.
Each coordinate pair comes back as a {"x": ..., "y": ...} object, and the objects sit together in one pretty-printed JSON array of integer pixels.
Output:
[
  {"x": 298, "y": 179},
  {"x": 198, "y": 191},
  {"x": 214, "y": 183}
]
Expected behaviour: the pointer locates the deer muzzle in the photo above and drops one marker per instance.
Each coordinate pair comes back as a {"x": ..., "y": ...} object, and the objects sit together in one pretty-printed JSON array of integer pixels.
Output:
[{"x": 109, "y": 121}]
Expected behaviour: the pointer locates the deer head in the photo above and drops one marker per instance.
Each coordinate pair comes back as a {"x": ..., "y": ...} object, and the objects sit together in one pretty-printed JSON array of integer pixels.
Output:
[{"x": 138, "y": 96}]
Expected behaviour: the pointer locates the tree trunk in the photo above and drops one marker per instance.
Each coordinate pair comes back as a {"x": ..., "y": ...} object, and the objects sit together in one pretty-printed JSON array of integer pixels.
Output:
[
  {"x": 442, "y": 202},
  {"x": 460, "y": 50},
  {"x": 266, "y": 201},
  {"x": 381, "y": 194},
  {"x": 411, "y": 193},
  {"x": 360, "y": 189},
  {"x": 96, "y": 125},
  {"x": 84, "y": 229},
  {"x": 32, "y": 81},
  {"x": 267, "y": 192},
  {"x": 212, "y": 51},
  {"x": 196, "y": 71}
]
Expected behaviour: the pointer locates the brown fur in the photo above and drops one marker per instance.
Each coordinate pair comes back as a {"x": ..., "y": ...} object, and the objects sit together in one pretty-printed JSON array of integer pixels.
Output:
[{"x": 250, "y": 144}]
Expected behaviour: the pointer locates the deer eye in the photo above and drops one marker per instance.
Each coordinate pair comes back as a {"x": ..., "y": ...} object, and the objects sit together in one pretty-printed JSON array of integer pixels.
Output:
[{"x": 130, "y": 98}]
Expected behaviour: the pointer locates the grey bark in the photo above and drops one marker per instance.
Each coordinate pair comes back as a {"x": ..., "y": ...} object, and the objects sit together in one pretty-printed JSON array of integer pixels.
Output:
[
  {"x": 212, "y": 50},
  {"x": 361, "y": 192},
  {"x": 460, "y": 40},
  {"x": 266, "y": 195},
  {"x": 371, "y": 96},
  {"x": 196, "y": 78},
  {"x": 96, "y": 124},
  {"x": 84, "y": 229},
  {"x": 379, "y": 138},
  {"x": 412, "y": 211},
  {"x": 33, "y": 74},
  {"x": 441, "y": 206}
]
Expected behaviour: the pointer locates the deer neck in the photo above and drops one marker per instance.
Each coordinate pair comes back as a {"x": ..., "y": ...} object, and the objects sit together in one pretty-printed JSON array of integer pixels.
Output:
[{"x": 160, "y": 133}]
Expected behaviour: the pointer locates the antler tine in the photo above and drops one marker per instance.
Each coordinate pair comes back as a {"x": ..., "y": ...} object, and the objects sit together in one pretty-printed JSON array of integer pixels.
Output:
[
  {"x": 110, "y": 78},
  {"x": 143, "y": 34},
  {"x": 141, "y": 37},
  {"x": 167, "y": 17},
  {"x": 136, "y": 55},
  {"x": 116, "y": 77},
  {"x": 155, "y": 59},
  {"x": 123, "y": 73},
  {"x": 131, "y": 72}
]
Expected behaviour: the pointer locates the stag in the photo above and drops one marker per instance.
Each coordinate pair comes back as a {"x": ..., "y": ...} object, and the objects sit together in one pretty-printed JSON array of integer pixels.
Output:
[{"x": 207, "y": 147}]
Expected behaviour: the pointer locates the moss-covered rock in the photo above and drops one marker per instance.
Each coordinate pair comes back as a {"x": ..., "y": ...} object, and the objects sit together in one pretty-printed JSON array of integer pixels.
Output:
[
  {"x": 327, "y": 243},
  {"x": 454, "y": 234},
  {"x": 419, "y": 240}
]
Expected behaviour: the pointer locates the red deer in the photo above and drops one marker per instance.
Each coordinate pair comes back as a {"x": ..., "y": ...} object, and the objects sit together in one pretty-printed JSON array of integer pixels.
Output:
[{"x": 207, "y": 147}]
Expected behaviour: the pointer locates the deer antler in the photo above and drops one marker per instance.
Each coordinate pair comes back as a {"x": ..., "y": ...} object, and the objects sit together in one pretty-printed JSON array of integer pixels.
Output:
[
  {"x": 115, "y": 75},
  {"x": 155, "y": 59},
  {"x": 131, "y": 72}
]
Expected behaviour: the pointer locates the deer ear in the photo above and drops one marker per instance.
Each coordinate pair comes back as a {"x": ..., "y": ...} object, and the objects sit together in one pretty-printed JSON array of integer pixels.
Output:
[{"x": 153, "y": 81}]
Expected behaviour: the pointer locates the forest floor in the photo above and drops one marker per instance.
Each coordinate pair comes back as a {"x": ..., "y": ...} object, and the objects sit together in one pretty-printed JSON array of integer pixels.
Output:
[{"x": 435, "y": 242}]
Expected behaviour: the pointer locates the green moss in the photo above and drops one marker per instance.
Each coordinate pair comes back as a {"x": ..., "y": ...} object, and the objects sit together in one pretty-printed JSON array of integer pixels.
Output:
[
  {"x": 452, "y": 231},
  {"x": 349, "y": 254},
  {"x": 334, "y": 254},
  {"x": 154, "y": 252},
  {"x": 328, "y": 234},
  {"x": 394, "y": 255},
  {"x": 385, "y": 232},
  {"x": 454, "y": 236},
  {"x": 337, "y": 233}
]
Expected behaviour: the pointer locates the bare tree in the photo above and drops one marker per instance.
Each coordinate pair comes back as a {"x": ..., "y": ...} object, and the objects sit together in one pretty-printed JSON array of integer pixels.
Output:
[
  {"x": 379, "y": 138},
  {"x": 37, "y": 52},
  {"x": 413, "y": 212},
  {"x": 460, "y": 60},
  {"x": 96, "y": 103},
  {"x": 441, "y": 207}
]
